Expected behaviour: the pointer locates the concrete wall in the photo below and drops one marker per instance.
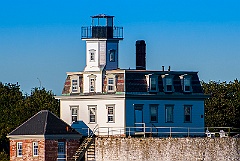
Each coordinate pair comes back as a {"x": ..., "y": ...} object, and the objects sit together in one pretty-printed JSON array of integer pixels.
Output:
[{"x": 167, "y": 149}]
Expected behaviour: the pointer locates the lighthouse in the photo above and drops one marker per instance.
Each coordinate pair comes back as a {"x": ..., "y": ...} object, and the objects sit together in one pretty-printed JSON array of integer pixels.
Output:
[{"x": 102, "y": 39}]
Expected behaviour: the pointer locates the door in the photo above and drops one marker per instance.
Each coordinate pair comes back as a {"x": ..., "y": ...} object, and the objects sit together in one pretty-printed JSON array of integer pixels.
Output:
[{"x": 138, "y": 118}]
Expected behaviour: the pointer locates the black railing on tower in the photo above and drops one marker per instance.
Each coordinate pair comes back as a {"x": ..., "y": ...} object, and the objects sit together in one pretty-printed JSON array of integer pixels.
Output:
[{"x": 102, "y": 32}]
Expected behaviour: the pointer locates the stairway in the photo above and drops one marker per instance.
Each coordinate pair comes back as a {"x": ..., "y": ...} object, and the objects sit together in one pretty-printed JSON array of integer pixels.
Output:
[{"x": 88, "y": 145}]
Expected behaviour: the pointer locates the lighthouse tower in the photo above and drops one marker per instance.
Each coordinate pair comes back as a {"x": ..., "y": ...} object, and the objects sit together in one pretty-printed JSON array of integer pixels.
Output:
[{"x": 102, "y": 39}]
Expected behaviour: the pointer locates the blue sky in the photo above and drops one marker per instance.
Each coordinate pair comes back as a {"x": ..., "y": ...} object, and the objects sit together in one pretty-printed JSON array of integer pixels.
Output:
[{"x": 40, "y": 39}]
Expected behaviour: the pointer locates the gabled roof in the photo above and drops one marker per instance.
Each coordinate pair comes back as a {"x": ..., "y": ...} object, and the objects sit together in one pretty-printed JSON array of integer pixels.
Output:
[{"x": 44, "y": 123}]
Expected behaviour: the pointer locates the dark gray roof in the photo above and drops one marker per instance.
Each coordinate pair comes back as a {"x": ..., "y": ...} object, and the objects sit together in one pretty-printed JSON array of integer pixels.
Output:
[{"x": 44, "y": 123}]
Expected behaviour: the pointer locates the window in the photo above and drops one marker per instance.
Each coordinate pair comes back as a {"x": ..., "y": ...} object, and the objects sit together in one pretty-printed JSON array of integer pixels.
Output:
[
  {"x": 168, "y": 85},
  {"x": 61, "y": 151},
  {"x": 92, "y": 114},
  {"x": 169, "y": 113},
  {"x": 111, "y": 113},
  {"x": 92, "y": 55},
  {"x": 112, "y": 55},
  {"x": 35, "y": 148},
  {"x": 187, "y": 84},
  {"x": 74, "y": 111},
  {"x": 152, "y": 81},
  {"x": 110, "y": 84},
  {"x": 19, "y": 149},
  {"x": 92, "y": 84},
  {"x": 153, "y": 113},
  {"x": 187, "y": 113},
  {"x": 74, "y": 85}
]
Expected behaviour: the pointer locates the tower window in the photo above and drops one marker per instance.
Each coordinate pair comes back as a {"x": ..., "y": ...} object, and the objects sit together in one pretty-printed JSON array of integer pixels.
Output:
[
  {"x": 92, "y": 84},
  {"x": 92, "y": 54},
  {"x": 112, "y": 55}
]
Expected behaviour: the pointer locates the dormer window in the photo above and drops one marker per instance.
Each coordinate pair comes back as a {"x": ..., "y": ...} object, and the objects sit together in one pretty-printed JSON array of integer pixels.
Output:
[
  {"x": 112, "y": 55},
  {"x": 92, "y": 54},
  {"x": 186, "y": 83},
  {"x": 74, "y": 85},
  {"x": 168, "y": 83},
  {"x": 152, "y": 81}
]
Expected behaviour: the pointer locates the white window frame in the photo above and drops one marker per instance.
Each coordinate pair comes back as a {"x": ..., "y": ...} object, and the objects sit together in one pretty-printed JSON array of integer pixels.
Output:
[
  {"x": 92, "y": 111},
  {"x": 187, "y": 112},
  {"x": 35, "y": 148},
  {"x": 75, "y": 85},
  {"x": 61, "y": 155},
  {"x": 74, "y": 115},
  {"x": 19, "y": 149},
  {"x": 112, "y": 54},
  {"x": 111, "y": 86},
  {"x": 186, "y": 80},
  {"x": 169, "y": 113},
  {"x": 92, "y": 55},
  {"x": 91, "y": 84},
  {"x": 153, "y": 112},
  {"x": 110, "y": 113}
]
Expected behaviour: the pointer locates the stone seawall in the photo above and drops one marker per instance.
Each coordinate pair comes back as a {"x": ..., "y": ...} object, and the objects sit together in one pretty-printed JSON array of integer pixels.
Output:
[{"x": 167, "y": 149}]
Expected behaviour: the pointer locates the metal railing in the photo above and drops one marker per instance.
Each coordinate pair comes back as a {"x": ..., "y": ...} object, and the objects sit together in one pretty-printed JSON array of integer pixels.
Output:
[{"x": 156, "y": 131}]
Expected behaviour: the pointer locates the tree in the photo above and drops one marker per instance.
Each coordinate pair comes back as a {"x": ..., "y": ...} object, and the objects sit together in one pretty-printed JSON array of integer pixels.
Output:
[
  {"x": 222, "y": 109},
  {"x": 16, "y": 108}
]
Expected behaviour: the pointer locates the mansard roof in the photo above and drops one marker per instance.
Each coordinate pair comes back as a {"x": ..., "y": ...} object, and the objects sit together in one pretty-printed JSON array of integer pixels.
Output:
[
  {"x": 136, "y": 81},
  {"x": 44, "y": 123}
]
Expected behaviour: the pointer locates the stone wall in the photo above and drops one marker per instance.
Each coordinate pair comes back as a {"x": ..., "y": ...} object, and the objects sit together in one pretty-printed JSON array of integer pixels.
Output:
[{"x": 167, "y": 149}]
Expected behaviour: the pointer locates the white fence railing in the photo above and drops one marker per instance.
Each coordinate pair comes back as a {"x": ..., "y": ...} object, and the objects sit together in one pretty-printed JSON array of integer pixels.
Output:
[{"x": 158, "y": 131}]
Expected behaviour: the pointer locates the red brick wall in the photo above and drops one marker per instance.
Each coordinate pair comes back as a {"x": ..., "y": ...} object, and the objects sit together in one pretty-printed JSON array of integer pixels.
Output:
[
  {"x": 47, "y": 149},
  {"x": 27, "y": 150},
  {"x": 52, "y": 148},
  {"x": 72, "y": 146}
]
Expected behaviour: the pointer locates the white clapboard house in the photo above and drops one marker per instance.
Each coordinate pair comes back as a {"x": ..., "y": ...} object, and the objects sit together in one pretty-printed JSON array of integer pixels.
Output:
[{"x": 124, "y": 101}]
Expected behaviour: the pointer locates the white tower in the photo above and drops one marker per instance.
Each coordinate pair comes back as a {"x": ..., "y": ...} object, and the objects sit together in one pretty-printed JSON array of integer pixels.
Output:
[{"x": 102, "y": 39}]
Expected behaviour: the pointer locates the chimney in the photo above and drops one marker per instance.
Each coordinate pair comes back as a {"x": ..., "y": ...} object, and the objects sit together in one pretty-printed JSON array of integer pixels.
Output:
[
  {"x": 140, "y": 55},
  {"x": 163, "y": 68},
  {"x": 169, "y": 68}
]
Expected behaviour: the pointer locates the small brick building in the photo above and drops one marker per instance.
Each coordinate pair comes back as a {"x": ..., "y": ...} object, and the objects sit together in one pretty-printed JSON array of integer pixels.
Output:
[{"x": 43, "y": 137}]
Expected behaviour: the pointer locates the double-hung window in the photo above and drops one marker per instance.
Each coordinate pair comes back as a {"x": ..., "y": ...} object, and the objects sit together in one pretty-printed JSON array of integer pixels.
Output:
[
  {"x": 168, "y": 83},
  {"x": 110, "y": 84},
  {"x": 187, "y": 113},
  {"x": 110, "y": 113},
  {"x": 153, "y": 113},
  {"x": 169, "y": 113},
  {"x": 92, "y": 55},
  {"x": 74, "y": 85},
  {"x": 92, "y": 114},
  {"x": 187, "y": 84},
  {"x": 35, "y": 148},
  {"x": 92, "y": 84},
  {"x": 152, "y": 81},
  {"x": 19, "y": 149},
  {"x": 74, "y": 111}
]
